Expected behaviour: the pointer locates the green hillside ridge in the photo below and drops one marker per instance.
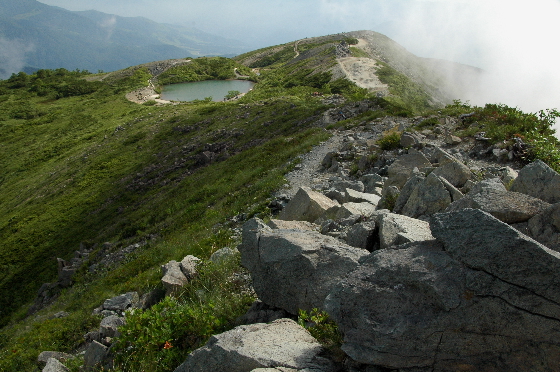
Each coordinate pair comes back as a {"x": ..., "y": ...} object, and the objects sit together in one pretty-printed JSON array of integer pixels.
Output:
[{"x": 82, "y": 165}]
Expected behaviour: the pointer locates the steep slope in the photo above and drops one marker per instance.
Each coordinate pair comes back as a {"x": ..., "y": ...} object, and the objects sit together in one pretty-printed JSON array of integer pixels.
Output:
[
  {"x": 443, "y": 80},
  {"x": 54, "y": 37},
  {"x": 136, "y": 186}
]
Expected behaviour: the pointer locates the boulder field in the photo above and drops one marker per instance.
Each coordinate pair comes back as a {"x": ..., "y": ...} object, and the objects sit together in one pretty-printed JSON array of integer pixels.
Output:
[{"x": 426, "y": 262}]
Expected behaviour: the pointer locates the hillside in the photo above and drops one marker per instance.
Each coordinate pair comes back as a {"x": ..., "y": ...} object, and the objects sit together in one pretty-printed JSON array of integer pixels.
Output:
[
  {"x": 115, "y": 189},
  {"x": 50, "y": 37}
]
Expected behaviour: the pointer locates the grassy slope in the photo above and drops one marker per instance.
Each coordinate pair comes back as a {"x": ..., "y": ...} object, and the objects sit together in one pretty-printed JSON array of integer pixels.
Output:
[
  {"x": 97, "y": 168},
  {"x": 94, "y": 167}
]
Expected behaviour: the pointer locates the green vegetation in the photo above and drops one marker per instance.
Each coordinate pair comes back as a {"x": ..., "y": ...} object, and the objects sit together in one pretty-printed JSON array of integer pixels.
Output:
[
  {"x": 206, "y": 68},
  {"x": 232, "y": 94},
  {"x": 359, "y": 53},
  {"x": 390, "y": 140},
  {"x": 502, "y": 124},
  {"x": 324, "y": 329},
  {"x": 427, "y": 123},
  {"x": 405, "y": 93},
  {"x": 95, "y": 168},
  {"x": 159, "y": 339},
  {"x": 82, "y": 165}
]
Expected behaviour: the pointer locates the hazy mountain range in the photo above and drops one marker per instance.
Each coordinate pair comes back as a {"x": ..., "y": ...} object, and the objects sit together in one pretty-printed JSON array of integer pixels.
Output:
[{"x": 34, "y": 35}]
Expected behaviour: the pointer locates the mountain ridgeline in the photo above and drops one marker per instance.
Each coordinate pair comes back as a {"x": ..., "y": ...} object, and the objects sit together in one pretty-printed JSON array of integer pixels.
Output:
[
  {"x": 38, "y": 36},
  {"x": 114, "y": 189}
]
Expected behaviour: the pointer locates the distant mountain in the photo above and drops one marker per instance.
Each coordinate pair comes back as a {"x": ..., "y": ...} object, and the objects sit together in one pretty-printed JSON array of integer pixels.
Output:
[{"x": 35, "y": 35}]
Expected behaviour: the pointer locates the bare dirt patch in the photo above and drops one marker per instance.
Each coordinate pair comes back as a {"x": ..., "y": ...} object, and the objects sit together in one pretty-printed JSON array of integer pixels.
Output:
[{"x": 362, "y": 71}]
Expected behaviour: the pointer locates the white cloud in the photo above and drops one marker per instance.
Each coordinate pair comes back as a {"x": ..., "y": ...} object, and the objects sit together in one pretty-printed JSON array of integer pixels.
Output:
[{"x": 12, "y": 56}]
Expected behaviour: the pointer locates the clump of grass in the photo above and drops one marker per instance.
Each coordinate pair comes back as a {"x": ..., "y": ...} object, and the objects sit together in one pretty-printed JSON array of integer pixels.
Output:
[
  {"x": 427, "y": 123},
  {"x": 390, "y": 140},
  {"x": 324, "y": 329}
]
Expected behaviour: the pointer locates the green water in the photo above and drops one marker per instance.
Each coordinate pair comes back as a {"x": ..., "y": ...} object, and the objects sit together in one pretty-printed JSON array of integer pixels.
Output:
[{"x": 217, "y": 89}]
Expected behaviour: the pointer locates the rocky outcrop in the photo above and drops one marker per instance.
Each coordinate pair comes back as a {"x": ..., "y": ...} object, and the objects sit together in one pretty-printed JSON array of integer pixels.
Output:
[
  {"x": 283, "y": 344},
  {"x": 294, "y": 269},
  {"x": 479, "y": 297},
  {"x": 177, "y": 274},
  {"x": 507, "y": 206},
  {"x": 402, "y": 168},
  {"x": 429, "y": 196},
  {"x": 43, "y": 358},
  {"x": 538, "y": 180},
  {"x": 545, "y": 227}
]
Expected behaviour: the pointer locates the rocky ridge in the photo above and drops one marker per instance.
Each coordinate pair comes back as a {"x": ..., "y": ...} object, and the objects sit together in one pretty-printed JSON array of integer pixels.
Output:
[
  {"x": 439, "y": 256},
  {"x": 461, "y": 278}
]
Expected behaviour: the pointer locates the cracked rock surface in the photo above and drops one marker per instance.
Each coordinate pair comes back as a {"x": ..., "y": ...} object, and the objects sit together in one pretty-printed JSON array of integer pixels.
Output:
[{"x": 481, "y": 297}]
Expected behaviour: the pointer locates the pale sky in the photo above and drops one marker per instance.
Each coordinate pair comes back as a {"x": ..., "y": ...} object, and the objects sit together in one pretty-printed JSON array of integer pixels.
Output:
[{"x": 518, "y": 41}]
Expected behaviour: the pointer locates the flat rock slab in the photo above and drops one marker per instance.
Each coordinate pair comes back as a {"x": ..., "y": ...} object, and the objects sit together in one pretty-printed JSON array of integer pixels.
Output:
[
  {"x": 482, "y": 242},
  {"x": 395, "y": 229},
  {"x": 307, "y": 205},
  {"x": 293, "y": 225},
  {"x": 359, "y": 197},
  {"x": 507, "y": 206},
  {"x": 282, "y": 343}
]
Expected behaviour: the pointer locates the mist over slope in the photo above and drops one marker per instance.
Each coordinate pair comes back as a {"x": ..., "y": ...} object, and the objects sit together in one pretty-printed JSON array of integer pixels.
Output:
[{"x": 35, "y": 36}]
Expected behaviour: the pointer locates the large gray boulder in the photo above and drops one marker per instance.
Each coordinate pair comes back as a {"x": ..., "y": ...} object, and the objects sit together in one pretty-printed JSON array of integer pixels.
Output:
[
  {"x": 53, "y": 365},
  {"x": 362, "y": 235},
  {"x": 428, "y": 197},
  {"x": 373, "y": 183},
  {"x": 455, "y": 172},
  {"x": 406, "y": 191},
  {"x": 482, "y": 242},
  {"x": 346, "y": 210},
  {"x": 402, "y": 168},
  {"x": 294, "y": 269},
  {"x": 538, "y": 180},
  {"x": 396, "y": 229},
  {"x": 173, "y": 278},
  {"x": 109, "y": 326},
  {"x": 507, "y": 206},
  {"x": 95, "y": 356},
  {"x": 282, "y": 343},
  {"x": 545, "y": 227},
  {"x": 43, "y": 358},
  {"x": 483, "y": 298},
  {"x": 306, "y": 205},
  {"x": 188, "y": 264}
]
